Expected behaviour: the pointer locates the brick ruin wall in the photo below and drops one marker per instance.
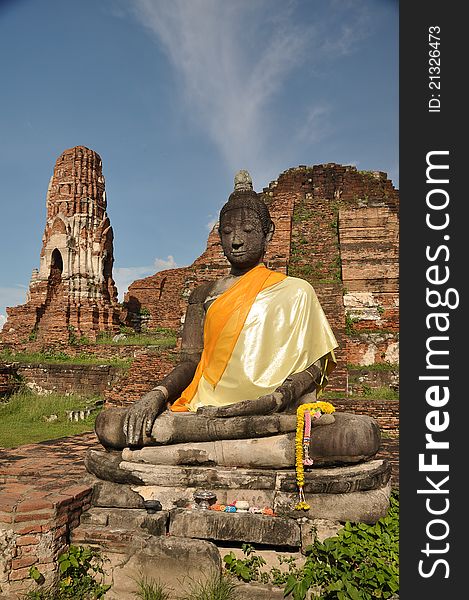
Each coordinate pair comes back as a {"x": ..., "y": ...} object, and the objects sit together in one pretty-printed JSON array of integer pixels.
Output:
[
  {"x": 90, "y": 380},
  {"x": 35, "y": 527},
  {"x": 337, "y": 228}
]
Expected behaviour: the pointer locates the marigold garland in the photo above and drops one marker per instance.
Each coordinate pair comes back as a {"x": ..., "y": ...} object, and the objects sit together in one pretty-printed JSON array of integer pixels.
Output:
[{"x": 301, "y": 452}]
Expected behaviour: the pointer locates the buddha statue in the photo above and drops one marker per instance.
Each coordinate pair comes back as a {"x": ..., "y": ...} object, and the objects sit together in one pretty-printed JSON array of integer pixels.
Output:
[{"x": 254, "y": 343}]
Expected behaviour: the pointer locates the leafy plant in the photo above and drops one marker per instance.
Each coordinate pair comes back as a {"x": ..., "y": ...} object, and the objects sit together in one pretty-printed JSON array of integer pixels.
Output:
[
  {"x": 250, "y": 567},
  {"x": 79, "y": 568},
  {"x": 247, "y": 569},
  {"x": 360, "y": 563},
  {"x": 72, "y": 335}
]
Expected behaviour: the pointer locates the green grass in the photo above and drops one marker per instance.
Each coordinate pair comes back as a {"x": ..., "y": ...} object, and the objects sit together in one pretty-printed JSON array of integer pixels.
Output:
[
  {"x": 149, "y": 589},
  {"x": 374, "y": 367},
  {"x": 22, "y": 418},
  {"x": 56, "y": 357},
  {"x": 160, "y": 338},
  {"x": 218, "y": 586},
  {"x": 378, "y": 393}
]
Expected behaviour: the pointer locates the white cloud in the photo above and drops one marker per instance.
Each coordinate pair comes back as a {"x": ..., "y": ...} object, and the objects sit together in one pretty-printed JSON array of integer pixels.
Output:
[
  {"x": 2, "y": 321},
  {"x": 230, "y": 63},
  {"x": 233, "y": 58},
  {"x": 124, "y": 276},
  {"x": 316, "y": 124},
  {"x": 161, "y": 264}
]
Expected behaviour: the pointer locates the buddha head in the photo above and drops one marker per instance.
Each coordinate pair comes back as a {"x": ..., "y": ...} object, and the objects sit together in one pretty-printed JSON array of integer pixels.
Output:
[{"x": 245, "y": 226}]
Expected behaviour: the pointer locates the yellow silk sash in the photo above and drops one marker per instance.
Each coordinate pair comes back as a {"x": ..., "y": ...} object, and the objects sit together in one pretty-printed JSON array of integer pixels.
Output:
[{"x": 223, "y": 324}]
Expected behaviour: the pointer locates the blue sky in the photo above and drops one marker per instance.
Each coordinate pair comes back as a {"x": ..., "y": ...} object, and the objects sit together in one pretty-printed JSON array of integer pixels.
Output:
[{"x": 176, "y": 96}]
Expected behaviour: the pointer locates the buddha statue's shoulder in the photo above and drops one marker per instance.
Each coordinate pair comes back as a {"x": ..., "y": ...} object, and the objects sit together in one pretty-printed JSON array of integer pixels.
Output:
[
  {"x": 210, "y": 290},
  {"x": 201, "y": 292}
]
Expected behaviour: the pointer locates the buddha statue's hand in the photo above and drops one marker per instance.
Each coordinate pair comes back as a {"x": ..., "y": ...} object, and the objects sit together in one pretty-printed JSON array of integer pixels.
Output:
[
  {"x": 141, "y": 416},
  {"x": 264, "y": 405}
]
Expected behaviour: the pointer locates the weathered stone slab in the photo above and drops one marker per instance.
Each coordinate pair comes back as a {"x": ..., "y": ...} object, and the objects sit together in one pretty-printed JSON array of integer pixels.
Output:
[
  {"x": 201, "y": 477},
  {"x": 170, "y": 497},
  {"x": 359, "y": 507},
  {"x": 134, "y": 555},
  {"x": 338, "y": 480},
  {"x": 126, "y": 518},
  {"x": 259, "y": 498},
  {"x": 241, "y": 527},
  {"x": 356, "y": 477},
  {"x": 316, "y": 529},
  {"x": 118, "y": 495}
]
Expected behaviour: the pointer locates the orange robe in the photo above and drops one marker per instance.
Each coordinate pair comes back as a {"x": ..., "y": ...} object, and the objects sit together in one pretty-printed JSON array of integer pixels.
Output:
[{"x": 264, "y": 328}]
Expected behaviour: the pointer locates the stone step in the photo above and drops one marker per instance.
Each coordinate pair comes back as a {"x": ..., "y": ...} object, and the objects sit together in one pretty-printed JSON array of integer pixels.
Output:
[
  {"x": 235, "y": 527},
  {"x": 124, "y": 518},
  {"x": 132, "y": 555}
]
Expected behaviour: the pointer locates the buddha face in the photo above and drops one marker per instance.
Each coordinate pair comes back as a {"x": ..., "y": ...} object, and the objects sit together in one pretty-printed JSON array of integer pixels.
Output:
[{"x": 243, "y": 239}]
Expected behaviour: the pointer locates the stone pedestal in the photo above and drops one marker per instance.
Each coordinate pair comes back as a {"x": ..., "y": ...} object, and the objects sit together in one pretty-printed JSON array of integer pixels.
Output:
[
  {"x": 181, "y": 543},
  {"x": 345, "y": 483}
]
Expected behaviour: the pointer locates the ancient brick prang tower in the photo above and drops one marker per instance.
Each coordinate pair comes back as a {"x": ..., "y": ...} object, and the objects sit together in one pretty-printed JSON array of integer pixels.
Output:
[{"x": 72, "y": 294}]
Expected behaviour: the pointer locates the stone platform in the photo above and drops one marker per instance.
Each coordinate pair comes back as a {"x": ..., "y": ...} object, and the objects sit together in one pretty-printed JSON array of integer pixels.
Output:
[
  {"x": 134, "y": 541},
  {"x": 47, "y": 499},
  {"x": 357, "y": 492}
]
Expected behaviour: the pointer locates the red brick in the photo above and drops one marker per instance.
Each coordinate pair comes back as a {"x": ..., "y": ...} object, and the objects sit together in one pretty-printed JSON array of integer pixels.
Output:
[
  {"x": 32, "y": 505},
  {"x": 27, "y": 561},
  {"x": 19, "y": 574},
  {"x": 8, "y": 502},
  {"x": 29, "y": 529},
  {"x": 78, "y": 491},
  {"x": 26, "y": 540},
  {"x": 62, "y": 501},
  {"x": 35, "y": 517},
  {"x": 6, "y": 518},
  {"x": 26, "y": 550},
  {"x": 61, "y": 531}
]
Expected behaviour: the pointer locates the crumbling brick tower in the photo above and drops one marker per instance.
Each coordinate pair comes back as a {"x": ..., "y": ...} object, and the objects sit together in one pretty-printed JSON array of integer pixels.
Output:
[{"x": 73, "y": 294}]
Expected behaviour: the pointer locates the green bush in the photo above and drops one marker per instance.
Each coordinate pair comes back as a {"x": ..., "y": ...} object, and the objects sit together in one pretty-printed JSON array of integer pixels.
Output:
[
  {"x": 250, "y": 568},
  {"x": 80, "y": 577},
  {"x": 360, "y": 563}
]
